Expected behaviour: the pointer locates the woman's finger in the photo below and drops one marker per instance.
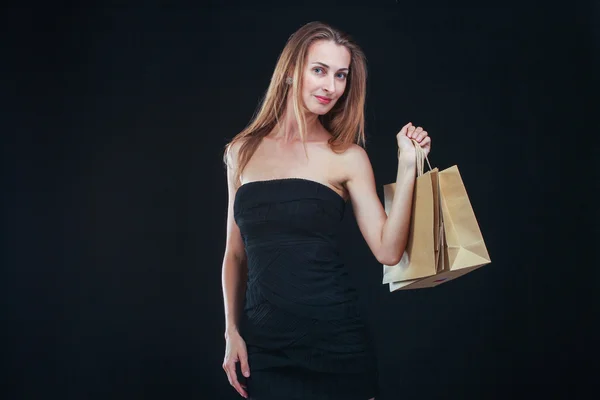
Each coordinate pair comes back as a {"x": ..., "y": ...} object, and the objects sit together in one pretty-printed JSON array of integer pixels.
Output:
[
  {"x": 226, "y": 369},
  {"x": 236, "y": 384},
  {"x": 404, "y": 129},
  {"x": 422, "y": 135},
  {"x": 244, "y": 363},
  {"x": 426, "y": 144},
  {"x": 233, "y": 381},
  {"x": 416, "y": 132}
]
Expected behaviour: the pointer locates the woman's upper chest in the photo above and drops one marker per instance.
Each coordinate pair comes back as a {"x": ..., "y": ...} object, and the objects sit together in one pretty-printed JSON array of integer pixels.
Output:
[{"x": 276, "y": 160}]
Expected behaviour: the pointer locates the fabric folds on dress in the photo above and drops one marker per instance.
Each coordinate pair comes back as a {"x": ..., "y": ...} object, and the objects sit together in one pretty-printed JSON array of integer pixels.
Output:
[{"x": 301, "y": 323}]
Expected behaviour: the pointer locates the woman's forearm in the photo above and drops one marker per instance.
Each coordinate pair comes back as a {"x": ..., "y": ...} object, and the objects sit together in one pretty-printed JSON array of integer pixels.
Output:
[
  {"x": 394, "y": 236},
  {"x": 233, "y": 279}
]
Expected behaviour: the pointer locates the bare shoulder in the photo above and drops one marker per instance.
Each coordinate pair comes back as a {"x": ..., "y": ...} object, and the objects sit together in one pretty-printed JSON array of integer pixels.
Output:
[
  {"x": 231, "y": 152},
  {"x": 354, "y": 152},
  {"x": 354, "y": 158}
]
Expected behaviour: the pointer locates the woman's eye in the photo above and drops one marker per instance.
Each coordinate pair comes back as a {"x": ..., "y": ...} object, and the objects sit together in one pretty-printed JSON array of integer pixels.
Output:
[
  {"x": 317, "y": 70},
  {"x": 342, "y": 75}
]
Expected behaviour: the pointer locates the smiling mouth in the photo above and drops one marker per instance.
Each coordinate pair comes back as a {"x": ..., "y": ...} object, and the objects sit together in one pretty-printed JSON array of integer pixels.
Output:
[{"x": 323, "y": 100}]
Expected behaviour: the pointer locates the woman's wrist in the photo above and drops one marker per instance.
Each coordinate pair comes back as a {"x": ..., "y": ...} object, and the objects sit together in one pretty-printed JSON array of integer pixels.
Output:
[
  {"x": 406, "y": 169},
  {"x": 231, "y": 328},
  {"x": 406, "y": 159}
]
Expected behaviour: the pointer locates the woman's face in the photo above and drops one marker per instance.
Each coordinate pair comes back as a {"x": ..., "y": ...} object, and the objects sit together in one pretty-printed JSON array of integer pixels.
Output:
[{"x": 325, "y": 75}]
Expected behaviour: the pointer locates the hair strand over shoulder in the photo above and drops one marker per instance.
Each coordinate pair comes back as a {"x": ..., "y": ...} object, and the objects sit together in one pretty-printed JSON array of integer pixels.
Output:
[{"x": 345, "y": 121}]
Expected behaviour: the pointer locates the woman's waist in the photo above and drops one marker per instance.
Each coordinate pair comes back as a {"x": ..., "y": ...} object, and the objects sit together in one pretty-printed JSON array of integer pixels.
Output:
[
  {"x": 329, "y": 298},
  {"x": 311, "y": 271},
  {"x": 340, "y": 306},
  {"x": 316, "y": 254},
  {"x": 286, "y": 239}
]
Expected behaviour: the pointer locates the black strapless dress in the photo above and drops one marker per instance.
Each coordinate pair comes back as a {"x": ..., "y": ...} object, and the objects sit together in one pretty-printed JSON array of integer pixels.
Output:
[{"x": 301, "y": 323}]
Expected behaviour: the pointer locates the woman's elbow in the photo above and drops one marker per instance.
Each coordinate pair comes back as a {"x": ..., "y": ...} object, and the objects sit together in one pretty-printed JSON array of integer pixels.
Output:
[{"x": 390, "y": 259}]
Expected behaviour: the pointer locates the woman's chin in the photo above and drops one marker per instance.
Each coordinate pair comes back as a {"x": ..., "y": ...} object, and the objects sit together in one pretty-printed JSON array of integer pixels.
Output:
[{"x": 320, "y": 110}]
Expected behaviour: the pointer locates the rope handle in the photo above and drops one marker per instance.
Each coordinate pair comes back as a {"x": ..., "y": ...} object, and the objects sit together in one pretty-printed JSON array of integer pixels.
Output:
[{"x": 421, "y": 157}]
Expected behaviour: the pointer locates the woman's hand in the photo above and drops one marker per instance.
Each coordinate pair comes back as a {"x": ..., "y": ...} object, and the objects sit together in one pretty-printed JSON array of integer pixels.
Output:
[
  {"x": 406, "y": 149},
  {"x": 235, "y": 351}
]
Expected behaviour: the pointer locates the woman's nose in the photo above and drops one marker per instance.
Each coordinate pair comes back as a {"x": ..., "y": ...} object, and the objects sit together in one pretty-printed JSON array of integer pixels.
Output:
[{"x": 329, "y": 85}]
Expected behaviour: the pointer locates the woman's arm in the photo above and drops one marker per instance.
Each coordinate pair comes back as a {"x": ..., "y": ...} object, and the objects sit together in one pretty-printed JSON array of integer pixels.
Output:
[
  {"x": 386, "y": 235},
  {"x": 234, "y": 269},
  {"x": 234, "y": 278}
]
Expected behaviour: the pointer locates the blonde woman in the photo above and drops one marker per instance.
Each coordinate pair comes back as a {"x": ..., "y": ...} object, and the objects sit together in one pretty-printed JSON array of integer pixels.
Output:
[{"x": 293, "y": 330}]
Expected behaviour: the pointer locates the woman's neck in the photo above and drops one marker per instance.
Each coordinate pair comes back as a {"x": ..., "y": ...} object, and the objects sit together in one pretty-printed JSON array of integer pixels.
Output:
[{"x": 288, "y": 129}]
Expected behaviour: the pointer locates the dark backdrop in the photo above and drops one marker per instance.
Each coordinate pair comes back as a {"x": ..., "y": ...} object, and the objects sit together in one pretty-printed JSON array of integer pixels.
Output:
[{"x": 114, "y": 121}]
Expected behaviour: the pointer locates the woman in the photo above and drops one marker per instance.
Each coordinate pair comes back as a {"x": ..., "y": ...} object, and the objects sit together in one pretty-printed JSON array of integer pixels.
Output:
[{"x": 292, "y": 320}]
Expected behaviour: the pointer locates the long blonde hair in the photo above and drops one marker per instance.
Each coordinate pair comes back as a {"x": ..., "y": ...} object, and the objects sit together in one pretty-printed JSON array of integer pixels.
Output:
[{"x": 345, "y": 121}]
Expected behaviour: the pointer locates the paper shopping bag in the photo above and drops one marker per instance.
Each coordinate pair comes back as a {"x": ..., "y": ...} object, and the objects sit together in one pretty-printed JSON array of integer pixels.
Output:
[
  {"x": 465, "y": 246},
  {"x": 422, "y": 256},
  {"x": 461, "y": 245}
]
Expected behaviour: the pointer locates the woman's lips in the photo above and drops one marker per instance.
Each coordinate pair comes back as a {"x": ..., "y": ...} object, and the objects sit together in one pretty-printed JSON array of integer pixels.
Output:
[{"x": 323, "y": 100}]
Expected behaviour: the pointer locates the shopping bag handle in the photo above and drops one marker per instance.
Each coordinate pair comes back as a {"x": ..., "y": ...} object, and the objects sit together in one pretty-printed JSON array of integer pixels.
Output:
[{"x": 421, "y": 157}]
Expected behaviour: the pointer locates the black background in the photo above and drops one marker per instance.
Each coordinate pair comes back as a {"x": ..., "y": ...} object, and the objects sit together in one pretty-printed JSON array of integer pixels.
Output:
[{"x": 114, "y": 121}]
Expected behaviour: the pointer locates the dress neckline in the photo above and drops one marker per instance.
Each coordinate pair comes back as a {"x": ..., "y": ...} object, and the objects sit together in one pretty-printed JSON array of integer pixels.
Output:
[{"x": 293, "y": 179}]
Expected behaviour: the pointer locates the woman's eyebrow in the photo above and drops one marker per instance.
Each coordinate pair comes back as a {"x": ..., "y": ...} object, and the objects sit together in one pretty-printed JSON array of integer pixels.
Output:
[{"x": 327, "y": 66}]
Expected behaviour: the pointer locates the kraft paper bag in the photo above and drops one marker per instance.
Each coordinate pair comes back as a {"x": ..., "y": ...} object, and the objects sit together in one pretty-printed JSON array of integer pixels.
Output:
[
  {"x": 464, "y": 242},
  {"x": 422, "y": 255},
  {"x": 461, "y": 245}
]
